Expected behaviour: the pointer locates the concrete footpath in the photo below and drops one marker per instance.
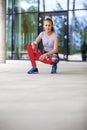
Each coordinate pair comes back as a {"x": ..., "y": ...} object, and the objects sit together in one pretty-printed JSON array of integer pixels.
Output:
[{"x": 43, "y": 101}]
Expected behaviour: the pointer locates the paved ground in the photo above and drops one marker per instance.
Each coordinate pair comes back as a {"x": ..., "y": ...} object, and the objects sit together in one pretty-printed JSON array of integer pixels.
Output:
[{"x": 43, "y": 101}]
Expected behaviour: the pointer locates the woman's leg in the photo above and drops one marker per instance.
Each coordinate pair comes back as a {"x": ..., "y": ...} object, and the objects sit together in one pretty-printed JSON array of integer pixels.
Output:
[
  {"x": 32, "y": 54},
  {"x": 49, "y": 60},
  {"x": 52, "y": 60},
  {"x": 55, "y": 60}
]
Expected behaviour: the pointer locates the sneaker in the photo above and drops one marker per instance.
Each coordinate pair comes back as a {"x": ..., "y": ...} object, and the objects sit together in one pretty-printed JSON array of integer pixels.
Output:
[
  {"x": 33, "y": 71},
  {"x": 54, "y": 68}
]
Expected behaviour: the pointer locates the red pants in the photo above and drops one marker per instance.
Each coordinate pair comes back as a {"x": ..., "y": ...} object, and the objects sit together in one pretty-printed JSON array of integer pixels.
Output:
[{"x": 32, "y": 55}]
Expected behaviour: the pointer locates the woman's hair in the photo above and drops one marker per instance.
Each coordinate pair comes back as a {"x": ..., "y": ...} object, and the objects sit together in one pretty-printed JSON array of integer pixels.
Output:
[{"x": 47, "y": 18}]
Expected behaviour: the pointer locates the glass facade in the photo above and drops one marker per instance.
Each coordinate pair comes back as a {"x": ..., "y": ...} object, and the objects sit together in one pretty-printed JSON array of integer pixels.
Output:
[
  {"x": 24, "y": 22},
  {"x": 21, "y": 27}
]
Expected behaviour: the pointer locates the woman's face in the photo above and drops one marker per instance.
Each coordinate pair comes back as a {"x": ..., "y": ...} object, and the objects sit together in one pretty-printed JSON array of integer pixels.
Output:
[{"x": 47, "y": 26}]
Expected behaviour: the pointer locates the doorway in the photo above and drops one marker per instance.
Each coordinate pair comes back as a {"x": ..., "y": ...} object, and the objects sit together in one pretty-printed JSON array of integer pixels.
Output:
[{"x": 60, "y": 23}]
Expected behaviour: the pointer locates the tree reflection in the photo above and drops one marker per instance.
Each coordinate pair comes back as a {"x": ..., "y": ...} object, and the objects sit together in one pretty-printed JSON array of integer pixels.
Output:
[{"x": 77, "y": 27}]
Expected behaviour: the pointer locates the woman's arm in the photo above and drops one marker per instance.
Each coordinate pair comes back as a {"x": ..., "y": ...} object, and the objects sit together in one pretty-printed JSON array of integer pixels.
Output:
[
  {"x": 36, "y": 42},
  {"x": 55, "y": 49}
]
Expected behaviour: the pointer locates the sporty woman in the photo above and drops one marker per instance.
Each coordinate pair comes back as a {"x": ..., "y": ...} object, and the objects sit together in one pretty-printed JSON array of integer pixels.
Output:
[{"x": 50, "y": 46}]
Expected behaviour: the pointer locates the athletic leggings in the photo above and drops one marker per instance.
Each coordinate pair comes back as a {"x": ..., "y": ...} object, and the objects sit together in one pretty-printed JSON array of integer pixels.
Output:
[{"x": 36, "y": 54}]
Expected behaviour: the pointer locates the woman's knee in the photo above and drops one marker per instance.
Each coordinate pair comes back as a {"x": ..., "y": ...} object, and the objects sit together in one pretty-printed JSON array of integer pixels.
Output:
[{"x": 55, "y": 58}]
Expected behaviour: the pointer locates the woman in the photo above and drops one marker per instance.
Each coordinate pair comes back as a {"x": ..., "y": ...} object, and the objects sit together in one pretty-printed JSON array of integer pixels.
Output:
[{"x": 50, "y": 44}]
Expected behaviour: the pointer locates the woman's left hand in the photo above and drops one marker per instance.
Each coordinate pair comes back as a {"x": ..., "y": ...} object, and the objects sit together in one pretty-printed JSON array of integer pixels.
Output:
[{"x": 42, "y": 57}]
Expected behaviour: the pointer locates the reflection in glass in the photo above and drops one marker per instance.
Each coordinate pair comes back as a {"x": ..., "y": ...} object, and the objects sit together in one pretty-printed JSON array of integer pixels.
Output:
[
  {"x": 25, "y": 31},
  {"x": 25, "y": 6},
  {"x": 58, "y": 24},
  {"x": 80, "y": 4},
  {"x": 77, "y": 4},
  {"x": 8, "y": 6},
  {"x": 70, "y": 4},
  {"x": 8, "y": 36},
  {"x": 53, "y": 5},
  {"x": 77, "y": 33}
]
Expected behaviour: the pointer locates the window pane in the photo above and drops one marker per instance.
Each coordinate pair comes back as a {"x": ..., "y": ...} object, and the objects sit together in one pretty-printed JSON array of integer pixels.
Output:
[
  {"x": 8, "y": 36},
  {"x": 8, "y": 6},
  {"x": 58, "y": 24},
  {"x": 80, "y": 4},
  {"x": 77, "y": 33},
  {"x": 25, "y": 31},
  {"x": 25, "y": 6},
  {"x": 71, "y": 4},
  {"x": 53, "y": 5},
  {"x": 77, "y": 4}
]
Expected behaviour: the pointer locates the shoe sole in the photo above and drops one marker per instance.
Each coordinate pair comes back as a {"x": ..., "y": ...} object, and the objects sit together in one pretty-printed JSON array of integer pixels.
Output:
[
  {"x": 53, "y": 72},
  {"x": 33, "y": 73}
]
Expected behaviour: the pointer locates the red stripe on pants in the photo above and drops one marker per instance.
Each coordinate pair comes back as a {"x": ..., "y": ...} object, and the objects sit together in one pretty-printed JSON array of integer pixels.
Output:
[{"x": 32, "y": 55}]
